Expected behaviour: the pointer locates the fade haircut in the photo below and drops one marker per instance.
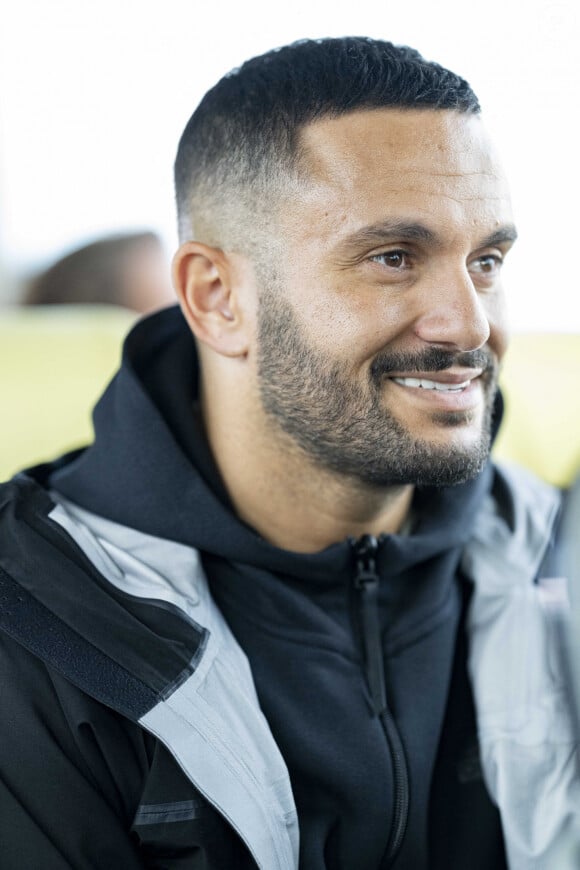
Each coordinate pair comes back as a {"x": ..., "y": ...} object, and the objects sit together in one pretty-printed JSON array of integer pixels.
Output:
[{"x": 241, "y": 146}]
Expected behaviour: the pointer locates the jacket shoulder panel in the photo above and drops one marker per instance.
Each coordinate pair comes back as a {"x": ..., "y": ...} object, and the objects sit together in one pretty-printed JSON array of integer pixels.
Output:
[
  {"x": 514, "y": 528},
  {"x": 528, "y": 745},
  {"x": 57, "y": 604}
]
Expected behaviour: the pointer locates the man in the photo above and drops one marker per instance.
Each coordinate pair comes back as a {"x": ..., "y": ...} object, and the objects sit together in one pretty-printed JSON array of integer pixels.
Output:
[{"x": 237, "y": 626}]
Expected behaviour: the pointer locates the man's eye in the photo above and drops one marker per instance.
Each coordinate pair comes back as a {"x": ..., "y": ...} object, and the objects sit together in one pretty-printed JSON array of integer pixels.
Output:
[
  {"x": 392, "y": 259},
  {"x": 487, "y": 265}
]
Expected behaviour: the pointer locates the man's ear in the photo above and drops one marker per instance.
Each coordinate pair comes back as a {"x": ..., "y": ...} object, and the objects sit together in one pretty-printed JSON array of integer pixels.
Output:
[{"x": 206, "y": 283}]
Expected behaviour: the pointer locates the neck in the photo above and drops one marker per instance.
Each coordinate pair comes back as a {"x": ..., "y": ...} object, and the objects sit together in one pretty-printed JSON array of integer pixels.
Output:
[
  {"x": 309, "y": 518},
  {"x": 291, "y": 501}
]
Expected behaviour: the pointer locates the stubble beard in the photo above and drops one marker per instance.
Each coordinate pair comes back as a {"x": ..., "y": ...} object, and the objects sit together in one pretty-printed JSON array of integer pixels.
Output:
[{"x": 348, "y": 430}]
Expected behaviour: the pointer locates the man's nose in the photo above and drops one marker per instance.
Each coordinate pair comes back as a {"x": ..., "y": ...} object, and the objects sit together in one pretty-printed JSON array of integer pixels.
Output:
[{"x": 454, "y": 313}]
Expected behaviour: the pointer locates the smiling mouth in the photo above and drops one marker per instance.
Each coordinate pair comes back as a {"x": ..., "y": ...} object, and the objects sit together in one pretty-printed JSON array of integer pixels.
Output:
[{"x": 438, "y": 386}]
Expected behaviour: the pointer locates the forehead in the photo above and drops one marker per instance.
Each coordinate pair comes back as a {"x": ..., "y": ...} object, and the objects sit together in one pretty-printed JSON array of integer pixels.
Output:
[{"x": 368, "y": 164}]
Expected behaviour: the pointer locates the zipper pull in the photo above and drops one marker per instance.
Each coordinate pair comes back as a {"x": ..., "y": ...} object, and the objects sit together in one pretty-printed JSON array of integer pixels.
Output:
[{"x": 366, "y": 584}]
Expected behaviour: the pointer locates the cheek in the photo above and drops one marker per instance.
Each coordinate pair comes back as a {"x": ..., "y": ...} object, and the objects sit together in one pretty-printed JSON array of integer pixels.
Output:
[{"x": 357, "y": 324}]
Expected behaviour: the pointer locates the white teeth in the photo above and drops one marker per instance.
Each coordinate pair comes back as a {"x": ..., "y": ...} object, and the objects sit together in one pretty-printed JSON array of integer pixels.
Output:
[{"x": 424, "y": 384}]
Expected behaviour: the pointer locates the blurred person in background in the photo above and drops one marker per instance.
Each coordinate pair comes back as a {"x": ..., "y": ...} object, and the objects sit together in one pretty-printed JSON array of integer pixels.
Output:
[{"x": 126, "y": 269}]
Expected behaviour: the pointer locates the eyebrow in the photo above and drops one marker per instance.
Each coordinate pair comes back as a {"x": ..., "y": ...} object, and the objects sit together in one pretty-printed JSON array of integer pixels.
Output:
[
  {"x": 380, "y": 233},
  {"x": 507, "y": 233}
]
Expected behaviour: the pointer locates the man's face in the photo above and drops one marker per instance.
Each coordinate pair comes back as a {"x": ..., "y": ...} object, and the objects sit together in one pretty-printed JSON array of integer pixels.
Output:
[{"x": 381, "y": 327}]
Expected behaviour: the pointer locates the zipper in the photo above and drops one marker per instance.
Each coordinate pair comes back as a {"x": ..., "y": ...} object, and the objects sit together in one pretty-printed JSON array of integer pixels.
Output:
[{"x": 366, "y": 595}]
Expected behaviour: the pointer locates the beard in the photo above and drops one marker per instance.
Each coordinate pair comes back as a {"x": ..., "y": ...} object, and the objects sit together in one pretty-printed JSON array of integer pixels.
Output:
[{"x": 349, "y": 430}]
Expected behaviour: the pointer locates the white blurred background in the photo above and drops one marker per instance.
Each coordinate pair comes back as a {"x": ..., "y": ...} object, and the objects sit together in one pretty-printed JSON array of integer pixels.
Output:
[{"x": 93, "y": 98}]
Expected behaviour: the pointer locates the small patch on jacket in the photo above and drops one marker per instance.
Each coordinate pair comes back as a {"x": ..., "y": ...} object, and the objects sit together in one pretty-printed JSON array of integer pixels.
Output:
[
  {"x": 469, "y": 766},
  {"x": 158, "y": 814}
]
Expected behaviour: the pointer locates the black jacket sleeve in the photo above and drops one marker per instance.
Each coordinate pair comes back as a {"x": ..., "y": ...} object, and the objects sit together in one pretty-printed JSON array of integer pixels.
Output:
[
  {"x": 70, "y": 773},
  {"x": 83, "y": 788}
]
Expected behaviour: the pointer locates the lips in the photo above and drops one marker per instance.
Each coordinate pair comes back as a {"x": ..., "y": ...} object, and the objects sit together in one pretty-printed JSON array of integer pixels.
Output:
[
  {"x": 449, "y": 380},
  {"x": 428, "y": 384},
  {"x": 458, "y": 388}
]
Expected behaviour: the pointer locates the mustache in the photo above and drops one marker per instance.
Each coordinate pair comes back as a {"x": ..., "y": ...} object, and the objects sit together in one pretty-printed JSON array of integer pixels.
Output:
[{"x": 432, "y": 359}]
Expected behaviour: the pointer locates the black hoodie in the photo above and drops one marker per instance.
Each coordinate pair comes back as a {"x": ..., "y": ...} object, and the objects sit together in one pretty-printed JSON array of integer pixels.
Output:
[{"x": 357, "y": 652}]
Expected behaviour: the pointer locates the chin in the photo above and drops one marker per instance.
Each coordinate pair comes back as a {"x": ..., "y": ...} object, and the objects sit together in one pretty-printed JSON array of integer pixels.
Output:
[{"x": 442, "y": 461}]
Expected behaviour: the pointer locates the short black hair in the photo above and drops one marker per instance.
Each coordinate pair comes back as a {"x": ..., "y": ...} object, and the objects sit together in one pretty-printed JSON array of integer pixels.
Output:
[{"x": 246, "y": 129}]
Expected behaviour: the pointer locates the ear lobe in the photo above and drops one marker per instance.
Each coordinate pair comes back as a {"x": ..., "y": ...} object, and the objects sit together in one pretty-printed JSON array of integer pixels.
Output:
[{"x": 203, "y": 280}]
